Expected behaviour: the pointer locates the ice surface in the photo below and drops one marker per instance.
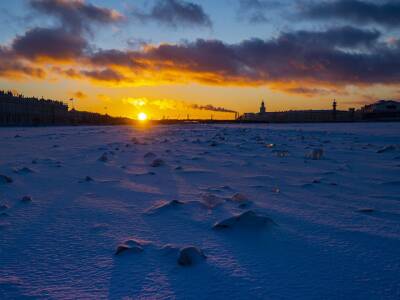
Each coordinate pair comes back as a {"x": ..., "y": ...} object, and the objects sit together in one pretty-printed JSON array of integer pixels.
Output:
[{"x": 338, "y": 216}]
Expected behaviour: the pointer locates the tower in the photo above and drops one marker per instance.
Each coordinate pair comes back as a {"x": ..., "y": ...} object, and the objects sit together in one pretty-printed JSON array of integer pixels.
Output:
[
  {"x": 262, "y": 108},
  {"x": 334, "y": 111}
]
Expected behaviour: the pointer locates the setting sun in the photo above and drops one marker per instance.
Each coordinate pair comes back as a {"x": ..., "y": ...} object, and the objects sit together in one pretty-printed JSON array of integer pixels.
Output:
[{"x": 142, "y": 116}]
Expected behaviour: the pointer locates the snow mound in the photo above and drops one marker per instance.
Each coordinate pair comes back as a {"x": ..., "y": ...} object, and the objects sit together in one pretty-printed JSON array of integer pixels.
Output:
[
  {"x": 190, "y": 256},
  {"x": 281, "y": 153},
  {"x": 130, "y": 246},
  {"x": 99, "y": 228},
  {"x": 47, "y": 161},
  {"x": 270, "y": 146},
  {"x": 213, "y": 144},
  {"x": 165, "y": 205},
  {"x": 211, "y": 201},
  {"x": 103, "y": 158},
  {"x": 316, "y": 154},
  {"x": 4, "y": 215},
  {"x": 3, "y": 207},
  {"x": 5, "y": 179},
  {"x": 26, "y": 199},
  {"x": 246, "y": 220},
  {"x": 240, "y": 199},
  {"x": 158, "y": 162},
  {"x": 149, "y": 155},
  {"x": 135, "y": 140},
  {"x": 88, "y": 179},
  {"x": 387, "y": 149},
  {"x": 169, "y": 249},
  {"x": 24, "y": 170}
]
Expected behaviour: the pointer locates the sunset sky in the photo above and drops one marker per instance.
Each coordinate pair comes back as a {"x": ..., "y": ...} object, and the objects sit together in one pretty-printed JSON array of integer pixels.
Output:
[{"x": 202, "y": 58}]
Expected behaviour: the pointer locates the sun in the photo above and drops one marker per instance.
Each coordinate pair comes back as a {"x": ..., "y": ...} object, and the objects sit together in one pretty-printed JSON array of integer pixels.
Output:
[{"x": 142, "y": 116}]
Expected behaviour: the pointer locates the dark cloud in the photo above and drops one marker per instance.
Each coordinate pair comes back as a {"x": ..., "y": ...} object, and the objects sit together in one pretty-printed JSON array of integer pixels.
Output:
[
  {"x": 308, "y": 91},
  {"x": 104, "y": 75},
  {"x": 11, "y": 67},
  {"x": 335, "y": 56},
  {"x": 175, "y": 13},
  {"x": 76, "y": 15},
  {"x": 49, "y": 43},
  {"x": 114, "y": 57},
  {"x": 66, "y": 41},
  {"x": 302, "y": 62},
  {"x": 201, "y": 56},
  {"x": 346, "y": 36},
  {"x": 69, "y": 72},
  {"x": 385, "y": 13}
]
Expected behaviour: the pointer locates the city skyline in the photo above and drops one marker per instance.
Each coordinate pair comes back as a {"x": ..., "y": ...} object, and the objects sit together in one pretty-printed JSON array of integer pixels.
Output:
[{"x": 174, "y": 57}]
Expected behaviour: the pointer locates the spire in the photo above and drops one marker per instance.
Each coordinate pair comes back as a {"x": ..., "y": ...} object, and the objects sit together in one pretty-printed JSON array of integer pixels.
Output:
[
  {"x": 334, "y": 111},
  {"x": 262, "y": 108}
]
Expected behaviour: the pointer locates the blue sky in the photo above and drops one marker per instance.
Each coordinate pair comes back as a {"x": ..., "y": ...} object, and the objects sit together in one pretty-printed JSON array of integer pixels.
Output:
[{"x": 228, "y": 24}]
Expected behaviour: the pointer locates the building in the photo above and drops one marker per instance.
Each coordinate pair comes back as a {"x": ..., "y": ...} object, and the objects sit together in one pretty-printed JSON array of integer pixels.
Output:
[
  {"x": 262, "y": 108},
  {"x": 19, "y": 110},
  {"x": 381, "y": 110},
  {"x": 293, "y": 116},
  {"x": 382, "y": 106}
]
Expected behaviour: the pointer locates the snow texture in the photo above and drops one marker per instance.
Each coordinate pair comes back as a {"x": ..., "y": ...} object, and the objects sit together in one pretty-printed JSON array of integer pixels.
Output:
[{"x": 307, "y": 211}]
